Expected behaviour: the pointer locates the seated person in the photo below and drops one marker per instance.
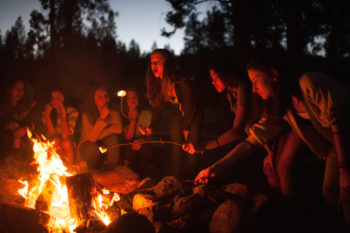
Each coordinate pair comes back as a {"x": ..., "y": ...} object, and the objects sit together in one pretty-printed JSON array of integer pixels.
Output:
[
  {"x": 100, "y": 126},
  {"x": 59, "y": 121},
  {"x": 16, "y": 113},
  {"x": 136, "y": 118}
]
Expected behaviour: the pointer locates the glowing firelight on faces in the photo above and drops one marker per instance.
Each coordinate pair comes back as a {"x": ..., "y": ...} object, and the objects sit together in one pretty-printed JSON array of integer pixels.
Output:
[{"x": 52, "y": 171}]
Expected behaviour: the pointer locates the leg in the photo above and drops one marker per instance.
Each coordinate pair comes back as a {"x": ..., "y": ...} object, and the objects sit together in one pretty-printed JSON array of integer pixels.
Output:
[
  {"x": 90, "y": 154},
  {"x": 68, "y": 150},
  {"x": 177, "y": 154},
  {"x": 113, "y": 154}
]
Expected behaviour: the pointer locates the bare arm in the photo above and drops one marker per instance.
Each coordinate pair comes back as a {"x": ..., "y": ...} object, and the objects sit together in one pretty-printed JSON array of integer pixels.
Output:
[
  {"x": 129, "y": 132},
  {"x": 51, "y": 131},
  {"x": 234, "y": 134}
]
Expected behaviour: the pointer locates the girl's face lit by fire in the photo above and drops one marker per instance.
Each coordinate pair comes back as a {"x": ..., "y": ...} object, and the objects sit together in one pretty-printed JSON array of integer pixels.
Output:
[
  {"x": 17, "y": 92},
  {"x": 132, "y": 100},
  {"x": 262, "y": 83},
  {"x": 57, "y": 99},
  {"x": 101, "y": 98},
  {"x": 157, "y": 64},
  {"x": 216, "y": 81}
]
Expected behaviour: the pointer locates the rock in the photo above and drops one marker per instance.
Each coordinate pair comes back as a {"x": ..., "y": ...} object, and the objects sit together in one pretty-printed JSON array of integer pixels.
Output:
[
  {"x": 168, "y": 187},
  {"x": 161, "y": 227},
  {"x": 147, "y": 212},
  {"x": 226, "y": 218},
  {"x": 180, "y": 223},
  {"x": 131, "y": 222},
  {"x": 201, "y": 190},
  {"x": 238, "y": 189},
  {"x": 162, "y": 212},
  {"x": 187, "y": 204},
  {"x": 259, "y": 199},
  {"x": 141, "y": 201}
]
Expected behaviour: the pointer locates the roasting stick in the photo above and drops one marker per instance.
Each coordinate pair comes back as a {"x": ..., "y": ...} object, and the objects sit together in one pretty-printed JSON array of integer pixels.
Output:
[{"x": 144, "y": 142}]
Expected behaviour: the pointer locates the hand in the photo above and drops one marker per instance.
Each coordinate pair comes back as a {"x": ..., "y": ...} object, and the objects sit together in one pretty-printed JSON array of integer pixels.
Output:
[
  {"x": 185, "y": 132},
  {"x": 62, "y": 110},
  {"x": 133, "y": 115},
  {"x": 104, "y": 112},
  {"x": 137, "y": 144},
  {"x": 192, "y": 149},
  {"x": 204, "y": 176},
  {"x": 19, "y": 133},
  {"x": 145, "y": 130},
  {"x": 48, "y": 109},
  {"x": 13, "y": 125}
]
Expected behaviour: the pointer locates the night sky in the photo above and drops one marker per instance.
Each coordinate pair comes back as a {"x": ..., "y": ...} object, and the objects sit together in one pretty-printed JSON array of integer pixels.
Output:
[{"x": 140, "y": 20}]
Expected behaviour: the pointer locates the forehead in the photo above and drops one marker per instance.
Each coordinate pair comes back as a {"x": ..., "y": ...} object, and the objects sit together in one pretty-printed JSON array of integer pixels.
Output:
[
  {"x": 18, "y": 84},
  {"x": 157, "y": 57},
  {"x": 253, "y": 74},
  {"x": 131, "y": 94},
  {"x": 56, "y": 93},
  {"x": 100, "y": 92}
]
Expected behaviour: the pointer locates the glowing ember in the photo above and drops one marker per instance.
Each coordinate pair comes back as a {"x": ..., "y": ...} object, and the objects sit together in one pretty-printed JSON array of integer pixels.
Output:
[
  {"x": 102, "y": 149},
  {"x": 50, "y": 186}
]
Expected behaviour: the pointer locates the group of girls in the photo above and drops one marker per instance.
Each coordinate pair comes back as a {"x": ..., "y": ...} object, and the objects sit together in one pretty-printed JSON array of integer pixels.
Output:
[
  {"x": 272, "y": 110},
  {"x": 310, "y": 109}
]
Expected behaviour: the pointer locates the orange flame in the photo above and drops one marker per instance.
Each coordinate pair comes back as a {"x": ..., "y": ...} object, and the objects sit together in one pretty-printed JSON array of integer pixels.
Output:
[{"x": 51, "y": 182}]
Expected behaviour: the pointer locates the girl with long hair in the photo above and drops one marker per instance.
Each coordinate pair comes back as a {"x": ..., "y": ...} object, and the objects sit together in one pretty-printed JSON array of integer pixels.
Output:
[
  {"x": 168, "y": 86},
  {"x": 228, "y": 76},
  {"x": 17, "y": 113},
  {"x": 101, "y": 125},
  {"x": 317, "y": 108}
]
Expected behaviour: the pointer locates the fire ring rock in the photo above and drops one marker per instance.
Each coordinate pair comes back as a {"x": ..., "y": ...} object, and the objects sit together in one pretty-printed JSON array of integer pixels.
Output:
[
  {"x": 168, "y": 187},
  {"x": 226, "y": 218}
]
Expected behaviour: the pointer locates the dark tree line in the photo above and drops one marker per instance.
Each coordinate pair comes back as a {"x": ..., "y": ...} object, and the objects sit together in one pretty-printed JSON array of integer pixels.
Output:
[
  {"x": 304, "y": 29},
  {"x": 294, "y": 25},
  {"x": 74, "y": 42}
]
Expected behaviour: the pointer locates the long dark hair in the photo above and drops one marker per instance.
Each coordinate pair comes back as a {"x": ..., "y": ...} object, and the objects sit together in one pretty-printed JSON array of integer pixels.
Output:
[
  {"x": 230, "y": 72},
  {"x": 156, "y": 88},
  {"x": 284, "y": 86},
  {"x": 24, "y": 104},
  {"x": 89, "y": 107}
]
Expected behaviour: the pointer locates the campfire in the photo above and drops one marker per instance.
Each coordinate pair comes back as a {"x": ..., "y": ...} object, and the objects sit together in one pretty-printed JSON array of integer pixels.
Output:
[
  {"x": 61, "y": 200},
  {"x": 49, "y": 192}
]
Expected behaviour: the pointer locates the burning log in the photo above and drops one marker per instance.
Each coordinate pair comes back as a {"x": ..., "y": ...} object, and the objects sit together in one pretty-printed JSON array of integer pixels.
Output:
[
  {"x": 120, "y": 180},
  {"x": 79, "y": 195}
]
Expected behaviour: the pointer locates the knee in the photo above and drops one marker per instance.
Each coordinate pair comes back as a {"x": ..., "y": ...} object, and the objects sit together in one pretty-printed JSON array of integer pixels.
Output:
[
  {"x": 111, "y": 140},
  {"x": 90, "y": 154}
]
